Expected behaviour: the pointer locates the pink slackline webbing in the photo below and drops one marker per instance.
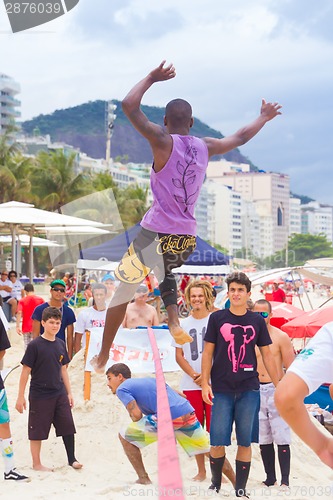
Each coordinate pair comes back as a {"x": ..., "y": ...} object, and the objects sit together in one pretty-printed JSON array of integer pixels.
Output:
[{"x": 170, "y": 482}]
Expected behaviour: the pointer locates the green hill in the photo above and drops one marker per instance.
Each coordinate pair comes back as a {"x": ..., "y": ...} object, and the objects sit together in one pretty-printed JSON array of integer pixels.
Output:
[{"x": 84, "y": 127}]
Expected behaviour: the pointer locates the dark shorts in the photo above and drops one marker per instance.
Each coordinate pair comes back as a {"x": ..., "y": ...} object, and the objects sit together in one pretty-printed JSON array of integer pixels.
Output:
[
  {"x": 45, "y": 412},
  {"x": 154, "y": 251},
  {"x": 241, "y": 408}
]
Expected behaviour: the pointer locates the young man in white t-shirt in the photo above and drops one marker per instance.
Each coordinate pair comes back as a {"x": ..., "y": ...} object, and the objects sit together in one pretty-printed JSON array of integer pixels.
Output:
[
  {"x": 91, "y": 317},
  {"x": 311, "y": 368},
  {"x": 199, "y": 298}
]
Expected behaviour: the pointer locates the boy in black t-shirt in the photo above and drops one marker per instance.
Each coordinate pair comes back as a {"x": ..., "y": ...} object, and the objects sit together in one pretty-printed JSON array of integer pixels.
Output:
[
  {"x": 6, "y": 443},
  {"x": 229, "y": 360},
  {"x": 50, "y": 397}
]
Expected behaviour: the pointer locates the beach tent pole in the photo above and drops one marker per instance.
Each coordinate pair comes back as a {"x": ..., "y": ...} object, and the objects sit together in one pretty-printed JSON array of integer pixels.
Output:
[{"x": 87, "y": 375}]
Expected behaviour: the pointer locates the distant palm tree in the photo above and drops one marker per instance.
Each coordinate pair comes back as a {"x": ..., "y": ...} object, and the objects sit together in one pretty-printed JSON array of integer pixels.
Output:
[
  {"x": 15, "y": 179},
  {"x": 132, "y": 204},
  {"x": 8, "y": 146},
  {"x": 55, "y": 180},
  {"x": 123, "y": 207},
  {"x": 14, "y": 169}
]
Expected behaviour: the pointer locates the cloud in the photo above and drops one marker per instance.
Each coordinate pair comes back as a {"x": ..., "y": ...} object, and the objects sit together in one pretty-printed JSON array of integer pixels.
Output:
[{"x": 228, "y": 55}]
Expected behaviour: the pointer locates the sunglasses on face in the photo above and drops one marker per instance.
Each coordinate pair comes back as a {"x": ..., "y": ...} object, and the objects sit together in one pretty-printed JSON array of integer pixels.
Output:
[
  {"x": 4, "y": 274},
  {"x": 264, "y": 314},
  {"x": 62, "y": 290}
]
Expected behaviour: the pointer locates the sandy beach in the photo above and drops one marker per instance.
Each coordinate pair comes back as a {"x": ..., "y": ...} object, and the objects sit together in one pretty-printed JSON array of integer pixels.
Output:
[{"x": 107, "y": 473}]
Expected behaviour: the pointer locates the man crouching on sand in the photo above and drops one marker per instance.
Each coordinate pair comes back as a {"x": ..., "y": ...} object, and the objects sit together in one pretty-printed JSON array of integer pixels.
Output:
[{"x": 139, "y": 396}]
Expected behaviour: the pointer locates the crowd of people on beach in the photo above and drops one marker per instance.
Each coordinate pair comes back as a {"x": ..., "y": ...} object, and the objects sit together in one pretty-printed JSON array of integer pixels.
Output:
[{"x": 234, "y": 361}]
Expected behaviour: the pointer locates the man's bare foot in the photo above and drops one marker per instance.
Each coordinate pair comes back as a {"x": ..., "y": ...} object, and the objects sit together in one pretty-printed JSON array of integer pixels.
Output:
[
  {"x": 98, "y": 364},
  {"x": 143, "y": 480},
  {"x": 42, "y": 468},
  {"x": 180, "y": 336},
  {"x": 201, "y": 476},
  {"x": 76, "y": 465}
]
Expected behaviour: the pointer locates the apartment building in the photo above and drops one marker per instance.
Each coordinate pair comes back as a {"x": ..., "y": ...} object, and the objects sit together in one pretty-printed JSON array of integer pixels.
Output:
[
  {"x": 9, "y": 88},
  {"x": 295, "y": 225},
  {"x": 270, "y": 193},
  {"x": 32, "y": 145},
  {"x": 316, "y": 218},
  {"x": 219, "y": 216}
]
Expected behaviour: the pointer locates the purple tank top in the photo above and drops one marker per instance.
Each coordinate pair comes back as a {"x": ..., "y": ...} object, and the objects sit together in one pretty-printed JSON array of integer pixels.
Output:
[{"x": 177, "y": 186}]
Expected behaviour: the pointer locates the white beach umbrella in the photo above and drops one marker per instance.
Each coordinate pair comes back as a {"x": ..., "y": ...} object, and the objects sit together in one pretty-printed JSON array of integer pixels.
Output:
[{"x": 19, "y": 216}]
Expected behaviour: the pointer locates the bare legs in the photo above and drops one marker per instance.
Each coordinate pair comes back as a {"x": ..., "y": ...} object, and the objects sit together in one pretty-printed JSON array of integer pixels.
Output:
[
  {"x": 35, "y": 447},
  {"x": 200, "y": 459},
  {"x": 180, "y": 336},
  {"x": 114, "y": 317},
  {"x": 134, "y": 456}
]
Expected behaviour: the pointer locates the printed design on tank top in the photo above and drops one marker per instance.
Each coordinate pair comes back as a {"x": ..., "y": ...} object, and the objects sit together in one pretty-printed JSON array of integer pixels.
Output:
[
  {"x": 235, "y": 357},
  {"x": 187, "y": 178}
]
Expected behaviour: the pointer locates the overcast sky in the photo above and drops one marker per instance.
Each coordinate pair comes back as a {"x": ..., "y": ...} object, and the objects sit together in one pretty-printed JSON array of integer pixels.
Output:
[{"x": 228, "y": 54}]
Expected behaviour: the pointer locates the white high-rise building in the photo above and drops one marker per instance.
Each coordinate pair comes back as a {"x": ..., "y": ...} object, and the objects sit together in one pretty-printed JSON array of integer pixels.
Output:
[
  {"x": 251, "y": 228},
  {"x": 219, "y": 216},
  {"x": 8, "y": 103},
  {"x": 317, "y": 219},
  {"x": 270, "y": 193},
  {"x": 217, "y": 168},
  {"x": 295, "y": 226}
]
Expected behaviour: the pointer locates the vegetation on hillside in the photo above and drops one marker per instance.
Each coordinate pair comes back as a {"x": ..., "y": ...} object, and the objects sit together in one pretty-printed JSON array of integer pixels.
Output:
[{"x": 84, "y": 127}]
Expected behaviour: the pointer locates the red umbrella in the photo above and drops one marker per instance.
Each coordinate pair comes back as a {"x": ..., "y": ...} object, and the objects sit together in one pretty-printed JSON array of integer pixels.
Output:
[
  {"x": 308, "y": 323},
  {"x": 283, "y": 312}
]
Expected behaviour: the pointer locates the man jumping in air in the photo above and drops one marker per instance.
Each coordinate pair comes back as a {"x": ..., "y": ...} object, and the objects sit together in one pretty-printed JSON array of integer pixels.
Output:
[{"x": 168, "y": 230}]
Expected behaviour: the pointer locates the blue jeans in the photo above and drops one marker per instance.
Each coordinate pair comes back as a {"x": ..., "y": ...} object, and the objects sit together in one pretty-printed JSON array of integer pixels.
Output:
[{"x": 239, "y": 407}]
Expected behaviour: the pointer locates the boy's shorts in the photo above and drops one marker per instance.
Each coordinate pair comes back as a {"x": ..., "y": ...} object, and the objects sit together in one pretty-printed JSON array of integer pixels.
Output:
[
  {"x": 241, "y": 408},
  {"x": 272, "y": 427},
  {"x": 45, "y": 412},
  {"x": 4, "y": 413},
  {"x": 188, "y": 432}
]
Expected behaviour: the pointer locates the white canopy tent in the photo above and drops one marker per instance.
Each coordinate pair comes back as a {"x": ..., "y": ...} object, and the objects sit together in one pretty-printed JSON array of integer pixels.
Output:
[
  {"x": 105, "y": 265},
  {"x": 211, "y": 270},
  {"x": 56, "y": 230},
  {"x": 24, "y": 217},
  {"x": 24, "y": 240}
]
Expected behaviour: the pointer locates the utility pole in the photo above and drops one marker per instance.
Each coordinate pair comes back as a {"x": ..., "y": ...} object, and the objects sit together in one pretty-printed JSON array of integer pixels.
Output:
[{"x": 109, "y": 122}]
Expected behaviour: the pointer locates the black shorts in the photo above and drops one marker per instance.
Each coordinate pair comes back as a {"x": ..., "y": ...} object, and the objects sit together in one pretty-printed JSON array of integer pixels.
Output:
[
  {"x": 159, "y": 252},
  {"x": 45, "y": 412}
]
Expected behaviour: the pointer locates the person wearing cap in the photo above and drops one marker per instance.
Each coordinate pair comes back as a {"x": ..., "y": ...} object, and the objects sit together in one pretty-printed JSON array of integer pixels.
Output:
[
  {"x": 138, "y": 312},
  {"x": 66, "y": 331},
  {"x": 110, "y": 283},
  {"x": 91, "y": 317}
]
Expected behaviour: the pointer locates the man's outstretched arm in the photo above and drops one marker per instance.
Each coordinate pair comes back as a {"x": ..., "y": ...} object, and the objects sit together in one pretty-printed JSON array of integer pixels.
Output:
[
  {"x": 132, "y": 102},
  {"x": 268, "y": 111},
  {"x": 289, "y": 400}
]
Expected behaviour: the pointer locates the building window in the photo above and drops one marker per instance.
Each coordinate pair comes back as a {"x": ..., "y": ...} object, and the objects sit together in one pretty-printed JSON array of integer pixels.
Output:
[{"x": 280, "y": 215}]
